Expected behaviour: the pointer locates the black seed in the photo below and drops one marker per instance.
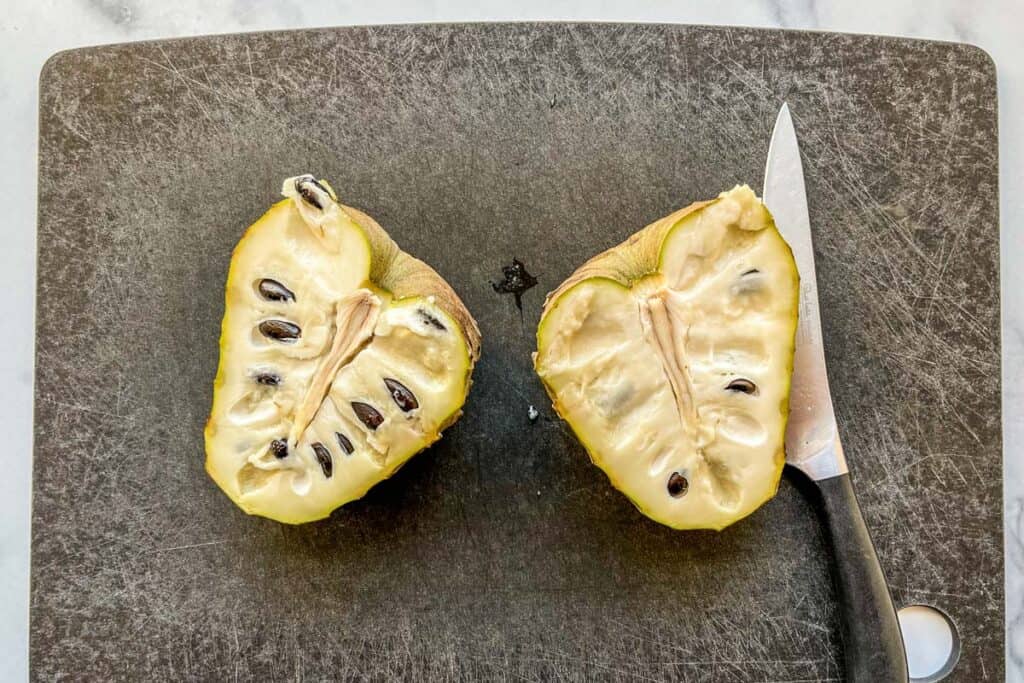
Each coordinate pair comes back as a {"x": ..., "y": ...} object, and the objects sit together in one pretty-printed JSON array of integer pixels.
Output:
[
  {"x": 280, "y": 330},
  {"x": 279, "y": 447},
  {"x": 752, "y": 271},
  {"x": 516, "y": 281},
  {"x": 405, "y": 399},
  {"x": 323, "y": 456},
  {"x": 345, "y": 444},
  {"x": 741, "y": 385},
  {"x": 267, "y": 379},
  {"x": 272, "y": 290},
  {"x": 305, "y": 186},
  {"x": 367, "y": 414},
  {"x": 678, "y": 485},
  {"x": 431, "y": 320}
]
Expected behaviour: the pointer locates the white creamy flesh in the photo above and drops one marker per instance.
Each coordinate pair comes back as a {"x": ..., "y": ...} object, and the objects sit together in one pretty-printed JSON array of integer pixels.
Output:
[
  {"x": 352, "y": 339},
  {"x": 641, "y": 373}
]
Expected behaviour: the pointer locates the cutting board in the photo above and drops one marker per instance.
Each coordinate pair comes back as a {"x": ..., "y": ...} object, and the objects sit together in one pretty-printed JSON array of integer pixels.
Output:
[{"x": 502, "y": 552}]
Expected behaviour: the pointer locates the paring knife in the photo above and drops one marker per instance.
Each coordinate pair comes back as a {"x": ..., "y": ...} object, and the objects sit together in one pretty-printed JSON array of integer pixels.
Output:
[{"x": 872, "y": 643}]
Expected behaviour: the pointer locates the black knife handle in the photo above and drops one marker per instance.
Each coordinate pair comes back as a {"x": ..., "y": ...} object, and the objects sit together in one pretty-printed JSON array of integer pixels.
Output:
[{"x": 872, "y": 642}]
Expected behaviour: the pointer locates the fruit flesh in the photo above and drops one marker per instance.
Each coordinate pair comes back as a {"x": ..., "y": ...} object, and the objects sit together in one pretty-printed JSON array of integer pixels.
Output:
[
  {"x": 328, "y": 380},
  {"x": 671, "y": 358}
]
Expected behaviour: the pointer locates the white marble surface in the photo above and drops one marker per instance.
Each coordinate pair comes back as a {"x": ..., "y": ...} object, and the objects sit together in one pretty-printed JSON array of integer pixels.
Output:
[{"x": 31, "y": 31}]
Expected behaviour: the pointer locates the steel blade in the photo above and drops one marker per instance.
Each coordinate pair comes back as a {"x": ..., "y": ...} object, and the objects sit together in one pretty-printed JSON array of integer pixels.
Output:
[{"x": 812, "y": 436}]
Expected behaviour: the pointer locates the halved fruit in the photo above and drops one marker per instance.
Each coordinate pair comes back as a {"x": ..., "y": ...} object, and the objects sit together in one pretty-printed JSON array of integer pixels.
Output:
[
  {"x": 670, "y": 356},
  {"x": 341, "y": 357}
]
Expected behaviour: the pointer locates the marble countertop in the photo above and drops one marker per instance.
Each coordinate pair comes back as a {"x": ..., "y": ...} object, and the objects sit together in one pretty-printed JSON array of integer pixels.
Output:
[{"x": 31, "y": 32}]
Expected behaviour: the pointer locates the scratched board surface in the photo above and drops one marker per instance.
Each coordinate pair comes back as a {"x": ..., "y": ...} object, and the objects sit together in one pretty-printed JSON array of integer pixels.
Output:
[{"x": 501, "y": 553}]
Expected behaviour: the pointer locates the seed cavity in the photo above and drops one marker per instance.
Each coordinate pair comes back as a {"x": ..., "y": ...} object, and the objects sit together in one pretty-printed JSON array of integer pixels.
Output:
[
  {"x": 403, "y": 398},
  {"x": 749, "y": 283},
  {"x": 252, "y": 478},
  {"x": 741, "y": 427},
  {"x": 678, "y": 485},
  {"x": 323, "y": 456},
  {"x": 268, "y": 379},
  {"x": 252, "y": 409},
  {"x": 272, "y": 290},
  {"x": 345, "y": 443},
  {"x": 279, "y": 447},
  {"x": 431, "y": 320},
  {"x": 307, "y": 187},
  {"x": 280, "y": 330},
  {"x": 741, "y": 385},
  {"x": 367, "y": 414}
]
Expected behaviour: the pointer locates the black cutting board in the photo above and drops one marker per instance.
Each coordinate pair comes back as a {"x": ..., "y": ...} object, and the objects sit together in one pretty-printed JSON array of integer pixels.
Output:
[{"x": 501, "y": 552}]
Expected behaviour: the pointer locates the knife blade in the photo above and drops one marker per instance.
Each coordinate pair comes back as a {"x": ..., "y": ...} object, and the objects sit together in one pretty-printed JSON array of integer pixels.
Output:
[
  {"x": 873, "y": 649},
  {"x": 812, "y": 436}
]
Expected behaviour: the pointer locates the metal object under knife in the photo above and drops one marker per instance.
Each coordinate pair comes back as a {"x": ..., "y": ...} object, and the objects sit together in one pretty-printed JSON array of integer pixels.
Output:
[{"x": 872, "y": 643}]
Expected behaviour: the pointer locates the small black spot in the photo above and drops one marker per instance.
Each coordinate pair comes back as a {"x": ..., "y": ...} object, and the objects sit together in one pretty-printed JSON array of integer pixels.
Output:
[
  {"x": 279, "y": 447},
  {"x": 744, "y": 386},
  {"x": 516, "y": 281},
  {"x": 403, "y": 398},
  {"x": 345, "y": 444},
  {"x": 268, "y": 379},
  {"x": 323, "y": 456},
  {"x": 272, "y": 290},
  {"x": 280, "y": 330},
  {"x": 678, "y": 485},
  {"x": 752, "y": 271},
  {"x": 431, "y": 320},
  {"x": 367, "y": 414}
]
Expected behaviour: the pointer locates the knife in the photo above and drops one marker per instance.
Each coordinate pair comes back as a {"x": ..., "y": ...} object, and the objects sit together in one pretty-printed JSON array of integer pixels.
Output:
[{"x": 872, "y": 642}]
